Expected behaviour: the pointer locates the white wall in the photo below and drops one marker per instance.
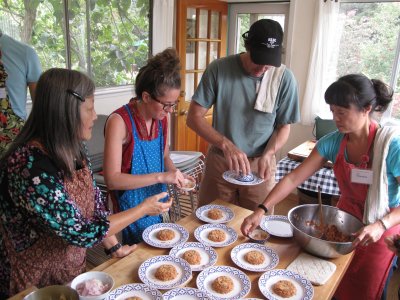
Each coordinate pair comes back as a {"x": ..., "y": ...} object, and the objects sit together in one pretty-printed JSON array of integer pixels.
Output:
[
  {"x": 106, "y": 100},
  {"x": 300, "y": 34}
]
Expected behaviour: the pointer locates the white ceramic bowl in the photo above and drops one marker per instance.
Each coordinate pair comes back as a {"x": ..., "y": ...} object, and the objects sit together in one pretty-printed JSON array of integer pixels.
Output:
[{"x": 104, "y": 277}]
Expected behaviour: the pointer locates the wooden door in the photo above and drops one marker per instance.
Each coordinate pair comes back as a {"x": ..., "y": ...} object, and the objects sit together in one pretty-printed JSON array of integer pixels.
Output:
[{"x": 200, "y": 39}]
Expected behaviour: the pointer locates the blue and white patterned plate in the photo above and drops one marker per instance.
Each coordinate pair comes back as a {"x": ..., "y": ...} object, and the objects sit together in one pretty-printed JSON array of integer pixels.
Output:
[
  {"x": 149, "y": 267},
  {"x": 277, "y": 225},
  {"x": 186, "y": 294},
  {"x": 304, "y": 289},
  {"x": 135, "y": 289},
  {"x": 202, "y": 214},
  {"x": 271, "y": 258},
  {"x": 201, "y": 234},
  {"x": 208, "y": 255},
  {"x": 241, "y": 282},
  {"x": 150, "y": 235},
  {"x": 231, "y": 176}
]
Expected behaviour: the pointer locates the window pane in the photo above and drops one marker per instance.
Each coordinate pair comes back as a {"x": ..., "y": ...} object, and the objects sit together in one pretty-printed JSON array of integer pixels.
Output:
[
  {"x": 190, "y": 55},
  {"x": 214, "y": 34},
  {"x": 203, "y": 23},
  {"x": 202, "y": 58},
  {"x": 213, "y": 51},
  {"x": 243, "y": 25},
  {"x": 78, "y": 32},
  {"x": 119, "y": 37},
  {"x": 396, "y": 96},
  {"x": 39, "y": 25},
  {"x": 369, "y": 40},
  {"x": 189, "y": 80},
  {"x": 191, "y": 23},
  {"x": 115, "y": 32}
]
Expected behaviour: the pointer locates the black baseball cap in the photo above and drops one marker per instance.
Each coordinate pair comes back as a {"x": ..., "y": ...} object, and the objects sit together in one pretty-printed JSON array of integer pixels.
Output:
[{"x": 264, "y": 40}]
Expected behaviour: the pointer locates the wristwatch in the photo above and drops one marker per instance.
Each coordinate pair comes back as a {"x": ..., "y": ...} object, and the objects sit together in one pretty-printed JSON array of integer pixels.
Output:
[
  {"x": 112, "y": 249},
  {"x": 263, "y": 207}
]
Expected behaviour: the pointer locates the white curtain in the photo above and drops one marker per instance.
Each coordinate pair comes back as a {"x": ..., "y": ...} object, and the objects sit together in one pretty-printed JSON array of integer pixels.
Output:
[
  {"x": 323, "y": 60},
  {"x": 163, "y": 24}
]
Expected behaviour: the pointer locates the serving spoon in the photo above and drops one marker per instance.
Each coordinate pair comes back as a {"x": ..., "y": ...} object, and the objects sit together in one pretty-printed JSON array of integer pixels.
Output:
[{"x": 321, "y": 227}]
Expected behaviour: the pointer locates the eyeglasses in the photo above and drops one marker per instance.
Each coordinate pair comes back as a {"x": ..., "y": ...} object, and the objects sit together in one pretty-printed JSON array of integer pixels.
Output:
[
  {"x": 77, "y": 95},
  {"x": 165, "y": 106}
]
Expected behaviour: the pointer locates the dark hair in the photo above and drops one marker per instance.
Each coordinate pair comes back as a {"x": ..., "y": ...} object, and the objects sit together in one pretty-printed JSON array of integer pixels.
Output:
[
  {"x": 359, "y": 90},
  {"x": 161, "y": 73},
  {"x": 55, "y": 119}
]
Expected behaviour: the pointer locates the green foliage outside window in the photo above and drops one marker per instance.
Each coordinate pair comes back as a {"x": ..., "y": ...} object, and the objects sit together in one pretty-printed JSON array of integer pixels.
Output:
[
  {"x": 109, "y": 39},
  {"x": 369, "y": 40}
]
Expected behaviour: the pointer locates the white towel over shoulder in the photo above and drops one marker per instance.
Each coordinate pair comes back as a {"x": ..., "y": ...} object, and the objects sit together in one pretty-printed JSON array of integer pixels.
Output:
[
  {"x": 377, "y": 203},
  {"x": 269, "y": 88}
]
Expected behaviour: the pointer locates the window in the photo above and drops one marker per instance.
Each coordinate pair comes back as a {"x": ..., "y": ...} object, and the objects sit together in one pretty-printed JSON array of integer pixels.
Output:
[
  {"x": 370, "y": 43},
  {"x": 107, "y": 39}
]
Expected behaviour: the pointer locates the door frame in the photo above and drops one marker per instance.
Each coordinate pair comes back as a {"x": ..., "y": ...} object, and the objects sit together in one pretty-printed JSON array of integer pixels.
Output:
[{"x": 181, "y": 133}]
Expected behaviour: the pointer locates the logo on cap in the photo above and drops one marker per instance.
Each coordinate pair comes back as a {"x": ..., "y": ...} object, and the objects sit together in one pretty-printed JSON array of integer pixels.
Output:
[{"x": 270, "y": 43}]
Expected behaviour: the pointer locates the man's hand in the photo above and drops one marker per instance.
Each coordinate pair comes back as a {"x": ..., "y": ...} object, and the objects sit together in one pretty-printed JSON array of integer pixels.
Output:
[
  {"x": 264, "y": 166},
  {"x": 236, "y": 158}
]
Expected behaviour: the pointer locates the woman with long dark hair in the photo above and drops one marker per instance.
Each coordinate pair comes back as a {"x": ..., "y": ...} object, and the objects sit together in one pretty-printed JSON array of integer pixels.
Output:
[{"x": 50, "y": 207}]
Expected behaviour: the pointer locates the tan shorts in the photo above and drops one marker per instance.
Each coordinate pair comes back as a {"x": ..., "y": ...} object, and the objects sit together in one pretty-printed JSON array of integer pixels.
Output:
[{"x": 213, "y": 186}]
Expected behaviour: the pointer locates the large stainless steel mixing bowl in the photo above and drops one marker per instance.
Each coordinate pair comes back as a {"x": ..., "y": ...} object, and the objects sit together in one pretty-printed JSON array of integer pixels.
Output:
[{"x": 305, "y": 234}]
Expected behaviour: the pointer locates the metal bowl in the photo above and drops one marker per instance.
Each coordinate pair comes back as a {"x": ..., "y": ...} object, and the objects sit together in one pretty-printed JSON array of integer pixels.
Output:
[
  {"x": 305, "y": 234},
  {"x": 53, "y": 292}
]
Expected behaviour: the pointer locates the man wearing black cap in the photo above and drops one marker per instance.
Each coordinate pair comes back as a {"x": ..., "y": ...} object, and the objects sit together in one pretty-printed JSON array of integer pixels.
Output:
[{"x": 255, "y": 100}]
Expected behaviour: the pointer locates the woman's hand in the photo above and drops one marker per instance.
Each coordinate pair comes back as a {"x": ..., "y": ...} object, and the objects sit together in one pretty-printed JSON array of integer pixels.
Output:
[
  {"x": 152, "y": 205},
  {"x": 368, "y": 234},
  {"x": 251, "y": 222},
  {"x": 173, "y": 177},
  {"x": 124, "y": 251}
]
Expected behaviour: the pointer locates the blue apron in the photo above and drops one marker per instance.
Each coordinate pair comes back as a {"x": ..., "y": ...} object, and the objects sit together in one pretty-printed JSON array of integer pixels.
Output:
[{"x": 147, "y": 157}]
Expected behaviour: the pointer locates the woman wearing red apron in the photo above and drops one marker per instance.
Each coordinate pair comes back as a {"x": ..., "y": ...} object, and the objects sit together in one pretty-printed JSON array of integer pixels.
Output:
[
  {"x": 50, "y": 207},
  {"x": 352, "y": 99}
]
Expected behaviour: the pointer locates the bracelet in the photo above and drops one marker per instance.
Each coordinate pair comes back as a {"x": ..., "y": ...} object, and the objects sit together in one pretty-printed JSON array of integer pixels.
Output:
[
  {"x": 112, "y": 249},
  {"x": 263, "y": 207},
  {"x": 383, "y": 224}
]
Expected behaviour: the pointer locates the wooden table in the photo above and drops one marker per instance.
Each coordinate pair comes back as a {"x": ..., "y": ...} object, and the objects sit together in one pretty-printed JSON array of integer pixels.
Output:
[{"x": 125, "y": 270}]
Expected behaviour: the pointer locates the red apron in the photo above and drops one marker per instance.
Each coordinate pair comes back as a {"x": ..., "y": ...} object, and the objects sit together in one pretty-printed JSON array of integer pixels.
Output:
[
  {"x": 42, "y": 265},
  {"x": 365, "y": 279}
]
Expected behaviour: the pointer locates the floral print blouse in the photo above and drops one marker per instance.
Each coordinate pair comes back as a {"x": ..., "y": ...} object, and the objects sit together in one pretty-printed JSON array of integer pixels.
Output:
[{"x": 34, "y": 203}]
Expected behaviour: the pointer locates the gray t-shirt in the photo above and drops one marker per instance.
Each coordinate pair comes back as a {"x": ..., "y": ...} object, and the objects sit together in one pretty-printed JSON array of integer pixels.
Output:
[{"x": 226, "y": 85}]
